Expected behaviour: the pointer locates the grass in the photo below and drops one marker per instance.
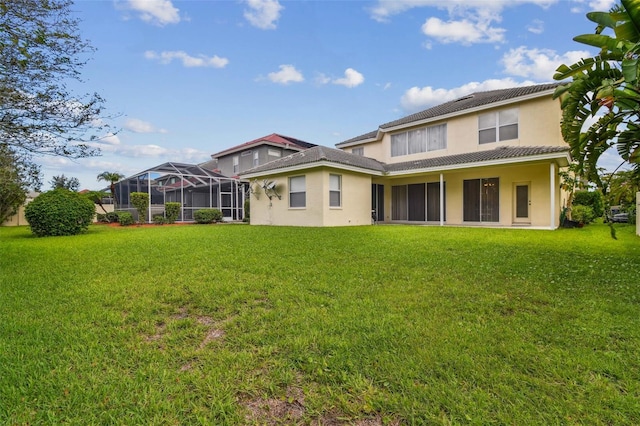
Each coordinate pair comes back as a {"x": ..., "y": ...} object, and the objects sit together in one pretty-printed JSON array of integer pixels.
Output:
[{"x": 364, "y": 325}]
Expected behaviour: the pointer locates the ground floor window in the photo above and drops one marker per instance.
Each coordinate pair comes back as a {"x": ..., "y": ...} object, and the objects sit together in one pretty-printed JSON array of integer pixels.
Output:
[
  {"x": 335, "y": 190},
  {"x": 481, "y": 200},
  {"x": 418, "y": 202},
  {"x": 297, "y": 192}
]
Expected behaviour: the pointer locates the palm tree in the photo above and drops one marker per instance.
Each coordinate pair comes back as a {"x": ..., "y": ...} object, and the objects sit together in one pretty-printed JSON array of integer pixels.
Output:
[
  {"x": 605, "y": 89},
  {"x": 112, "y": 178}
]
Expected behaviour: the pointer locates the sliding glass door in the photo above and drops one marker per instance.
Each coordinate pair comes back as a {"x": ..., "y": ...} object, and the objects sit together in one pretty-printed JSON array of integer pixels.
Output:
[{"x": 481, "y": 200}]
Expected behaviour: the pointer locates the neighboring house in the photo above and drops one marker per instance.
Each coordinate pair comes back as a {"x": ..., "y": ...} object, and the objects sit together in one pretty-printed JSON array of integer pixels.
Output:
[
  {"x": 489, "y": 158},
  {"x": 233, "y": 161}
]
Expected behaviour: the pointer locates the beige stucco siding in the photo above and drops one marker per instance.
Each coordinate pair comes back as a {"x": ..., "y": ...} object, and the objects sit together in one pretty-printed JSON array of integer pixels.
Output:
[
  {"x": 538, "y": 125},
  {"x": 355, "y": 206}
]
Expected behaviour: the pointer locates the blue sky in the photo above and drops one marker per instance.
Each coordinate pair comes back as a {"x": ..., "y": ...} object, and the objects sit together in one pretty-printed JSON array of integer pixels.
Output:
[{"x": 186, "y": 79}]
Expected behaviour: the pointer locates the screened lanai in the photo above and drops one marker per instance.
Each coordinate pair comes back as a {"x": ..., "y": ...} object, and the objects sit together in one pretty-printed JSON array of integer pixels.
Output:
[{"x": 189, "y": 184}]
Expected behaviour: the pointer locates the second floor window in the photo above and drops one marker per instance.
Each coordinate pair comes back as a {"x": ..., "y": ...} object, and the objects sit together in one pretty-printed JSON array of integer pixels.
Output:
[
  {"x": 358, "y": 151},
  {"x": 236, "y": 164},
  {"x": 256, "y": 158},
  {"x": 416, "y": 141},
  {"x": 498, "y": 126}
]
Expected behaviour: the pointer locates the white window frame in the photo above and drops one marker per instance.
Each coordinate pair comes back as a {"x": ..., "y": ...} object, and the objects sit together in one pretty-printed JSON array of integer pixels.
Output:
[
  {"x": 498, "y": 123},
  {"x": 256, "y": 158},
  {"x": 358, "y": 151},
  {"x": 297, "y": 186},
  {"x": 417, "y": 141},
  {"x": 335, "y": 188},
  {"x": 236, "y": 163}
]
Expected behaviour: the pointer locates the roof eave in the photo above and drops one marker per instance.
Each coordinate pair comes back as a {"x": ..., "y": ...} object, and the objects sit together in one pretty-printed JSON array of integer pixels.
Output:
[
  {"x": 313, "y": 165},
  {"x": 468, "y": 111},
  {"x": 563, "y": 159}
]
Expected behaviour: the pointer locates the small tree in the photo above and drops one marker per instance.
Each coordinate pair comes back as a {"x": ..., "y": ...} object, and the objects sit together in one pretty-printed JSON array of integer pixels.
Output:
[
  {"x": 171, "y": 211},
  {"x": 592, "y": 199},
  {"x": 59, "y": 212},
  {"x": 71, "y": 183},
  {"x": 96, "y": 197},
  {"x": 112, "y": 178},
  {"x": 140, "y": 201}
]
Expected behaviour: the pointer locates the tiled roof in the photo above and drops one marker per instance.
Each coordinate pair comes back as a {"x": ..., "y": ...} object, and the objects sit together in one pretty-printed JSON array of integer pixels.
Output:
[
  {"x": 366, "y": 136},
  {"x": 318, "y": 154},
  {"x": 323, "y": 154},
  {"x": 273, "y": 138},
  {"x": 502, "y": 153},
  {"x": 473, "y": 100}
]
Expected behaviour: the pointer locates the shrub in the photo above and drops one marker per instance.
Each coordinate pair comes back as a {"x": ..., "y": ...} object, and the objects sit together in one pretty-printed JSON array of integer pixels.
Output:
[
  {"x": 125, "y": 219},
  {"x": 102, "y": 218},
  {"x": 171, "y": 211},
  {"x": 113, "y": 217},
  {"x": 247, "y": 210},
  {"x": 582, "y": 214},
  {"x": 207, "y": 215},
  {"x": 140, "y": 201},
  {"x": 158, "y": 219},
  {"x": 591, "y": 199},
  {"x": 59, "y": 212}
]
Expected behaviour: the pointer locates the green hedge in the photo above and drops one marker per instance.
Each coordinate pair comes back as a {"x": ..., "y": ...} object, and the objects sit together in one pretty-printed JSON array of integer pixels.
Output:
[
  {"x": 125, "y": 219},
  {"x": 207, "y": 215},
  {"x": 59, "y": 212}
]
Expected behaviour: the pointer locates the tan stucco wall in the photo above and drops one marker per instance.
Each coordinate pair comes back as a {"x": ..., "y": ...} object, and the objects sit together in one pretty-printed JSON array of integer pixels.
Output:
[
  {"x": 538, "y": 125},
  {"x": 19, "y": 220},
  {"x": 355, "y": 209}
]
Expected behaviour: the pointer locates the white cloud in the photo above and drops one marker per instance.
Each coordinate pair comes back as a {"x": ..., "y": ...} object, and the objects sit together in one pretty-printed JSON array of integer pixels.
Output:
[
  {"x": 602, "y": 5},
  {"x": 263, "y": 14},
  {"x": 287, "y": 74},
  {"x": 158, "y": 12},
  {"x": 469, "y": 21},
  {"x": 538, "y": 64},
  {"x": 385, "y": 9},
  {"x": 352, "y": 78},
  {"x": 322, "y": 78},
  {"x": 139, "y": 126},
  {"x": 465, "y": 32},
  {"x": 536, "y": 26},
  {"x": 186, "y": 59},
  {"x": 417, "y": 98}
]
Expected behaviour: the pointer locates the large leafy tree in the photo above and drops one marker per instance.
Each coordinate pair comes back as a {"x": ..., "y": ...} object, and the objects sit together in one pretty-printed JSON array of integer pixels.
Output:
[
  {"x": 112, "y": 178},
  {"x": 601, "y": 105},
  {"x": 16, "y": 176},
  {"x": 41, "y": 54}
]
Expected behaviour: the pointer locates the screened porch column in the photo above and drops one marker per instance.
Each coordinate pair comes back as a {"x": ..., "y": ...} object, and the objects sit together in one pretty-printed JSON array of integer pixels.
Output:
[
  {"x": 552, "y": 191},
  {"x": 441, "y": 199},
  {"x": 149, "y": 192}
]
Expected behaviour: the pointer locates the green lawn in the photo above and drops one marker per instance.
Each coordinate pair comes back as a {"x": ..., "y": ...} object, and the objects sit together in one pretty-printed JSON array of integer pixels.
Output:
[{"x": 232, "y": 324}]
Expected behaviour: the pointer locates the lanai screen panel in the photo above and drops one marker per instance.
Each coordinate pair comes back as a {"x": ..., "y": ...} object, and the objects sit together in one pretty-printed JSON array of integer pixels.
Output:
[{"x": 190, "y": 185}]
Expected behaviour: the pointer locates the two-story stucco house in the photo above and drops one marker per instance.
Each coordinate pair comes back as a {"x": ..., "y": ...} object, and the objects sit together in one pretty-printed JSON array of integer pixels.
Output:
[
  {"x": 233, "y": 161},
  {"x": 489, "y": 158}
]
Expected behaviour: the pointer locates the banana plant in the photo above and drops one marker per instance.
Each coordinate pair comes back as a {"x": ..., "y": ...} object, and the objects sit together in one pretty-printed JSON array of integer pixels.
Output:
[{"x": 601, "y": 104}]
